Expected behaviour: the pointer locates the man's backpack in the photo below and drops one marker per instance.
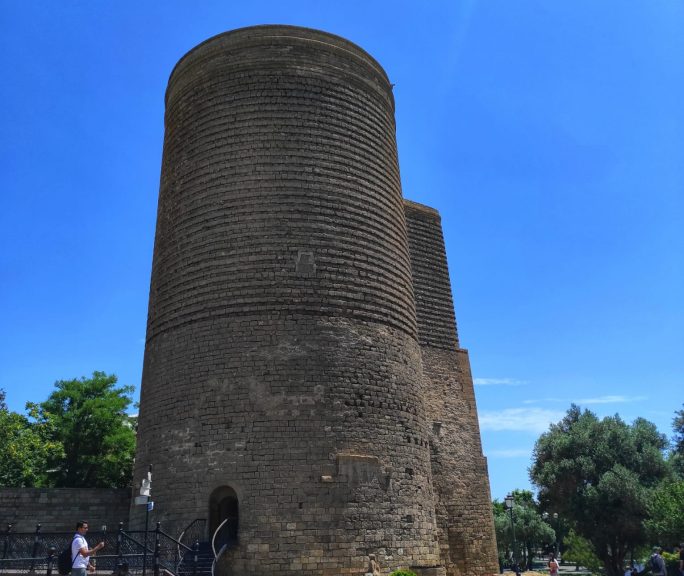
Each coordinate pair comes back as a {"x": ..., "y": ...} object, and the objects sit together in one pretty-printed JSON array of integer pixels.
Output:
[
  {"x": 64, "y": 561},
  {"x": 654, "y": 564}
]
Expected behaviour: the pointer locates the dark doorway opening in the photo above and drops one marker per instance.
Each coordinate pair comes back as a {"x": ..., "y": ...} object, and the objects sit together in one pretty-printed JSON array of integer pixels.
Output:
[{"x": 224, "y": 507}]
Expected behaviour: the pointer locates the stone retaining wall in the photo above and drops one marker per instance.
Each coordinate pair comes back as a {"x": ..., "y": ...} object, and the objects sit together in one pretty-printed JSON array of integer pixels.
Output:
[{"x": 58, "y": 509}]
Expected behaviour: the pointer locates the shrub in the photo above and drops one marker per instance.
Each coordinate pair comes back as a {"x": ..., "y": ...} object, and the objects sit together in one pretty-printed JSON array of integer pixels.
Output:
[
  {"x": 671, "y": 563},
  {"x": 403, "y": 573},
  {"x": 581, "y": 551}
]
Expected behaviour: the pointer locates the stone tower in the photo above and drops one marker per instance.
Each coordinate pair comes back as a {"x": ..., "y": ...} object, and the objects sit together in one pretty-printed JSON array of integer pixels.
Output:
[{"x": 283, "y": 384}]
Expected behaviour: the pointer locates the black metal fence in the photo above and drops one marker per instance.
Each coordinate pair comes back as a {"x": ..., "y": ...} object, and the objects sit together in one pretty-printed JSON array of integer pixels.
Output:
[
  {"x": 196, "y": 531},
  {"x": 125, "y": 552}
]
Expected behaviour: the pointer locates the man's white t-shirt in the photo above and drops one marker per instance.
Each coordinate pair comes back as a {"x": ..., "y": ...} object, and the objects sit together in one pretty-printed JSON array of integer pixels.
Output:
[{"x": 76, "y": 545}]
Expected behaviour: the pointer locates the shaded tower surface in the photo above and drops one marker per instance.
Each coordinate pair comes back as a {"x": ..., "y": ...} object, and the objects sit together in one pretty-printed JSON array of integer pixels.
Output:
[
  {"x": 282, "y": 363},
  {"x": 461, "y": 484}
]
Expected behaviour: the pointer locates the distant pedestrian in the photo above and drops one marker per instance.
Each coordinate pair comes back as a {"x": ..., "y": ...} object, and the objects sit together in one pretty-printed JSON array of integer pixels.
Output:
[
  {"x": 80, "y": 553},
  {"x": 553, "y": 565},
  {"x": 681, "y": 558},
  {"x": 657, "y": 563}
]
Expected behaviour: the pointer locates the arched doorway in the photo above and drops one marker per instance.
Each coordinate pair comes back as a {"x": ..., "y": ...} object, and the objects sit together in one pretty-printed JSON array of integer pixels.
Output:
[{"x": 223, "y": 506}]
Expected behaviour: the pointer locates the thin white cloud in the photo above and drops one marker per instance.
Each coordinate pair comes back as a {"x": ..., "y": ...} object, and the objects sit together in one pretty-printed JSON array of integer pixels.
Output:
[
  {"x": 497, "y": 382},
  {"x": 534, "y": 420},
  {"x": 545, "y": 400},
  {"x": 510, "y": 453},
  {"x": 607, "y": 399},
  {"x": 610, "y": 399}
]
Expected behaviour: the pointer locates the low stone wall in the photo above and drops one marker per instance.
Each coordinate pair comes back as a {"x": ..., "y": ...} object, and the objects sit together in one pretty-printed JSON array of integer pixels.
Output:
[{"x": 58, "y": 509}]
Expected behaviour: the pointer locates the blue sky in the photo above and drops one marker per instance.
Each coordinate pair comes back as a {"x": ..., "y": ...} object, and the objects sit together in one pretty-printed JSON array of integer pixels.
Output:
[{"x": 549, "y": 134}]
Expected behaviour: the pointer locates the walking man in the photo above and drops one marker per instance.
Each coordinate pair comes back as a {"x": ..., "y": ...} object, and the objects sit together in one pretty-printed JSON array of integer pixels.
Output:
[
  {"x": 80, "y": 553},
  {"x": 657, "y": 562}
]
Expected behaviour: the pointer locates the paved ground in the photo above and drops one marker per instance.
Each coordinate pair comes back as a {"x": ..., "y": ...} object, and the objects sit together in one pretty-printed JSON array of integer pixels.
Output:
[{"x": 565, "y": 569}]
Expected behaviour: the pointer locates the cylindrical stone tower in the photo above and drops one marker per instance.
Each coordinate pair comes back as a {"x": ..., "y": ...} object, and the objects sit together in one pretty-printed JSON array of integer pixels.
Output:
[{"x": 282, "y": 383}]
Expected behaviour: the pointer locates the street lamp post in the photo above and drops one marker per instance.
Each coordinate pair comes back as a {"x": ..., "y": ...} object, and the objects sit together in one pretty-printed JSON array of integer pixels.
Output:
[
  {"x": 545, "y": 517},
  {"x": 557, "y": 545},
  {"x": 509, "y": 501},
  {"x": 556, "y": 530}
]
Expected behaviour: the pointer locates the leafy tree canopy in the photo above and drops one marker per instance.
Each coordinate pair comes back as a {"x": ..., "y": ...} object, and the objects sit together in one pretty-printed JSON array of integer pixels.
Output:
[
  {"x": 580, "y": 551},
  {"x": 677, "y": 454},
  {"x": 531, "y": 531},
  {"x": 24, "y": 454},
  {"x": 87, "y": 419},
  {"x": 678, "y": 429},
  {"x": 599, "y": 475},
  {"x": 666, "y": 523}
]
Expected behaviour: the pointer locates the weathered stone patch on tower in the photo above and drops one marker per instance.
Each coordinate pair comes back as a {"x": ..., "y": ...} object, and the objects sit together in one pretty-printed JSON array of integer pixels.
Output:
[{"x": 359, "y": 469}]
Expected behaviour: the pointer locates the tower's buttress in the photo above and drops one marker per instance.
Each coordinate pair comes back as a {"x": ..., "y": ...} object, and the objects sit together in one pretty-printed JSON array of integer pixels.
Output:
[{"x": 464, "y": 512}]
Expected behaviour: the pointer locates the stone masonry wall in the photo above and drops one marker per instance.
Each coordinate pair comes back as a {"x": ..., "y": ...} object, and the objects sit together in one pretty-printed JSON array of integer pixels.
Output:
[
  {"x": 431, "y": 283},
  {"x": 58, "y": 509},
  {"x": 281, "y": 359},
  {"x": 459, "y": 470},
  {"x": 464, "y": 511}
]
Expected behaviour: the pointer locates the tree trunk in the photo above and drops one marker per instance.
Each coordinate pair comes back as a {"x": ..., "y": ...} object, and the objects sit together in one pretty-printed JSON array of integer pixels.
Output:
[{"x": 613, "y": 564}]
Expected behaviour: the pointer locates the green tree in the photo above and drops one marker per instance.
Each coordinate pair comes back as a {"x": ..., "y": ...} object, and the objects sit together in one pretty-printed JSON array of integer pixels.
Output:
[
  {"x": 87, "y": 418},
  {"x": 666, "y": 523},
  {"x": 531, "y": 531},
  {"x": 677, "y": 454},
  {"x": 580, "y": 551},
  {"x": 599, "y": 475},
  {"x": 24, "y": 454},
  {"x": 678, "y": 428}
]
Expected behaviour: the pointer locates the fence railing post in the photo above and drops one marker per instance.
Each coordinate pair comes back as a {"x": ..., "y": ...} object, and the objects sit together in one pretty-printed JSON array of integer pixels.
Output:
[
  {"x": 6, "y": 547},
  {"x": 36, "y": 541},
  {"x": 195, "y": 557},
  {"x": 119, "y": 540},
  {"x": 50, "y": 560},
  {"x": 176, "y": 553},
  {"x": 157, "y": 548}
]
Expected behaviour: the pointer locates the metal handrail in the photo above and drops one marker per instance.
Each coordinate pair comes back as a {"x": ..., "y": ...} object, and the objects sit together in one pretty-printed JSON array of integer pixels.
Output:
[
  {"x": 216, "y": 557},
  {"x": 181, "y": 555},
  {"x": 10, "y": 560},
  {"x": 213, "y": 538},
  {"x": 27, "y": 550},
  {"x": 128, "y": 535},
  {"x": 187, "y": 548},
  {"x": 195, "y": 521},
  {"x": 213, "y": 546}
]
